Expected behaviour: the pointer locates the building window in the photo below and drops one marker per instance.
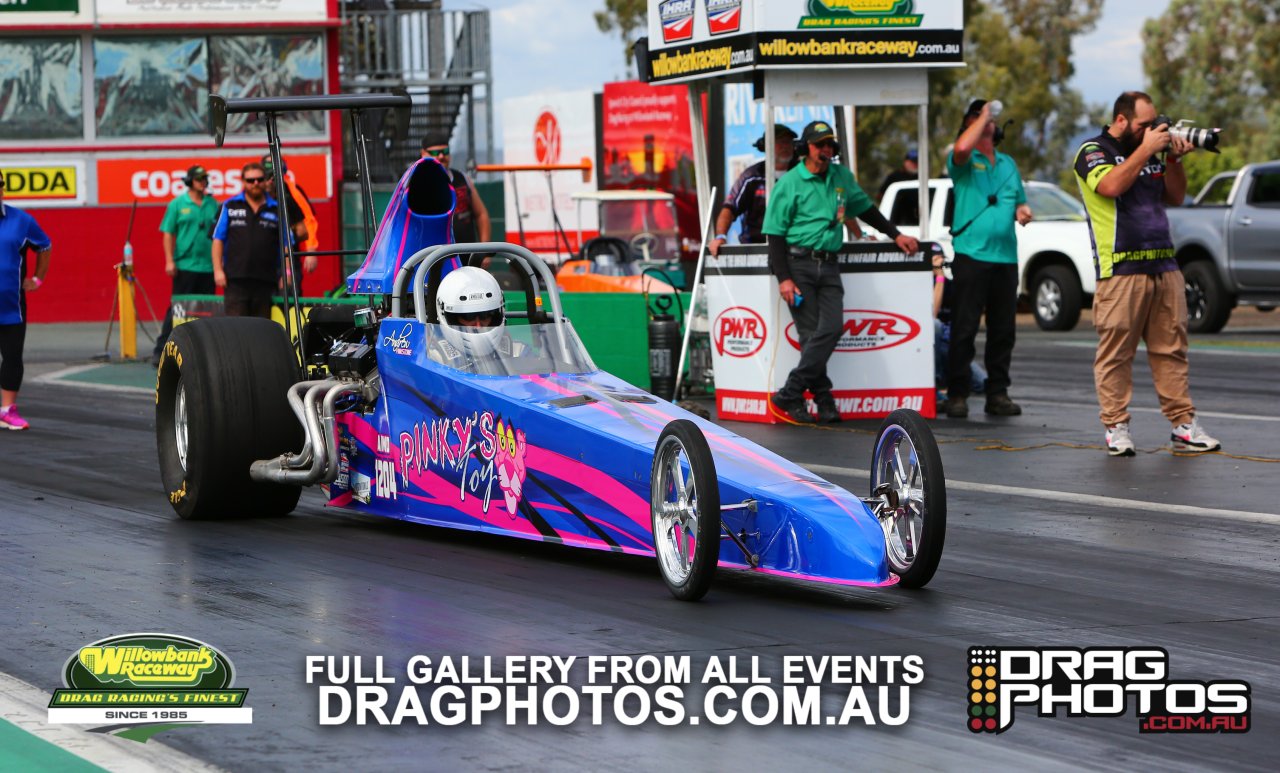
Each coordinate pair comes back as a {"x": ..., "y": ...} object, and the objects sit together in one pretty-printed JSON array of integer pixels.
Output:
[
  {"x": 269, "y": 66},
  {"x": 161, "y": 86},
  {"x": 40, "y": 89},
  {"x": 151, "y": 86}
]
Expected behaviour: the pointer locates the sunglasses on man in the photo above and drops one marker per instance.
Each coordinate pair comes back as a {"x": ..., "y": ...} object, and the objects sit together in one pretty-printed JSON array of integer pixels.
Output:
[
  {"x": 438, "y": 152},
  {"x": 254, "y": 180}
]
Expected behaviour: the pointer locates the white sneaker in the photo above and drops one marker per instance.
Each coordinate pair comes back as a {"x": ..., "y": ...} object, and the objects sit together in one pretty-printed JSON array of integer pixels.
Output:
[
  {"x": 1190, "y": 437},
  {"x": 1118, "y": 441}
]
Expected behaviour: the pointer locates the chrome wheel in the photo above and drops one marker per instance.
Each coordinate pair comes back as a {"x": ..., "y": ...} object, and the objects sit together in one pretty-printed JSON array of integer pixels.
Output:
[
  {"x": 898, "y": 464},
  {"x": 684, "y": 504},
  {"x": 675, "y": 508},
  {"x": 909, "y": 497},
  {"x": 180, "y": 424}
]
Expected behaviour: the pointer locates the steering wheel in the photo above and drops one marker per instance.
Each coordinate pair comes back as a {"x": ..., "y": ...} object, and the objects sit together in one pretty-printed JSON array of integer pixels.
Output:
[{"x": 645, "y": 243}]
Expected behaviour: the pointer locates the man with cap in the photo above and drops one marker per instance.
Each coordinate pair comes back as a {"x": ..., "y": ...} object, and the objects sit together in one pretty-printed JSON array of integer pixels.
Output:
[
  {"x": 746, "y": 199},
  {"x": 805, "y": 225},
  {"x": 908, "y": 172},
  {"x": 187, "y": 236},
  {"x": 990, "y": 200}
]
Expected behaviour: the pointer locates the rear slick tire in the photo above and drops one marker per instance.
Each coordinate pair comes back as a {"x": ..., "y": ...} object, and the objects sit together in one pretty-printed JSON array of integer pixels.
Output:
[{"x": 221, "y": 404}]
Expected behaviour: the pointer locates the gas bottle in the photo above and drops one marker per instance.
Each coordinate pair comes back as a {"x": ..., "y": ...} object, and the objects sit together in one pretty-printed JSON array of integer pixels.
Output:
[{"x": 664, "y": 348}]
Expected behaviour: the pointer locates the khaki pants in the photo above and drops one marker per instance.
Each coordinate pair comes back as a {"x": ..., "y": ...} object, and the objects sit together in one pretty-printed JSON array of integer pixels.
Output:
[{"x": 1151, "y": 308}]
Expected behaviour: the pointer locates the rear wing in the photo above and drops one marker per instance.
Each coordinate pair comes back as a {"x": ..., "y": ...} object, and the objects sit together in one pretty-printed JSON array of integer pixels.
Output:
[
  {"x": 220, "y": 107},
  {"x": 269, "y": 108}
]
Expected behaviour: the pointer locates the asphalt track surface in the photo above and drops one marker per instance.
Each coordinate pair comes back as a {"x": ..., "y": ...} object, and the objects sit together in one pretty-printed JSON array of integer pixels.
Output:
[{"x": 1156, "y": 550}]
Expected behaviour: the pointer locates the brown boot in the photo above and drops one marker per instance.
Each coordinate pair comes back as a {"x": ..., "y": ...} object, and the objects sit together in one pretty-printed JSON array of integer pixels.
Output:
[
  {"x": 958, "y": 407},
  {"x": 1001, "y": 405}
]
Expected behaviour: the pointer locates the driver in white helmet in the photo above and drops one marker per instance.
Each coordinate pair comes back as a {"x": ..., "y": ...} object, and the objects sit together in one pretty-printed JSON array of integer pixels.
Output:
[{"x": 471, "y": 312}]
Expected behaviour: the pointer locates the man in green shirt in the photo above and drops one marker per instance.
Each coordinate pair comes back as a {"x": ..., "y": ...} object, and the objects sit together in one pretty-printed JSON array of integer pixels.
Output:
[
  {"x": 187, "y": 231},
  {"x": 989, "y": 201},
  {"x": 805, "y": 223}
]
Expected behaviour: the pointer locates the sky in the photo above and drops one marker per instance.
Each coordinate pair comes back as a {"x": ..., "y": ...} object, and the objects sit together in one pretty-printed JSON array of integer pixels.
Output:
[{"x": 554, "y": 45}]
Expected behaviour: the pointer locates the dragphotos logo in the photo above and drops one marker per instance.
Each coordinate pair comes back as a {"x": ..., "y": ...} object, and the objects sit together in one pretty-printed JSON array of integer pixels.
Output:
[{"x": 1100, "y": 682}]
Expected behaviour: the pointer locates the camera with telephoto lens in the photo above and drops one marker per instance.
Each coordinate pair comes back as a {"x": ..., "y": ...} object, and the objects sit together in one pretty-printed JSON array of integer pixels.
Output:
[{"x": 1200, "y": 138}]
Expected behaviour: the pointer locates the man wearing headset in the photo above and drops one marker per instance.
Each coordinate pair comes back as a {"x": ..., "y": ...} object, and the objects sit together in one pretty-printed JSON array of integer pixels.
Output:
[
  {"x": 187, "y": 236},
  {"x": 805, "y": 223},
  {"x": 989, "y": 201}
]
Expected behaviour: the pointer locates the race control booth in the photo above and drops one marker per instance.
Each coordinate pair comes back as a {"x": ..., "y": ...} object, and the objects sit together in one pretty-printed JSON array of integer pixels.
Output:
[{"x": 811, "y": 52}]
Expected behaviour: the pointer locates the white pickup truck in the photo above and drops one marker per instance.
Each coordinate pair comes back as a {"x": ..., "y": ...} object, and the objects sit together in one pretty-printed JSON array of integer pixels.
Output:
[{"x": 1055, "y": 257}]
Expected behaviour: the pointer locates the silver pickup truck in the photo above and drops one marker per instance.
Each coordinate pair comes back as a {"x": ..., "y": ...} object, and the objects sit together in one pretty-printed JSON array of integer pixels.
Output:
[{"x": 1228, "y": 244}]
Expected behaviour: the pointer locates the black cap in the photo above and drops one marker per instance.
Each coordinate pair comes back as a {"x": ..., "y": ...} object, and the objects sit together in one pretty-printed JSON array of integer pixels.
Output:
[
  {"x": 817, "y": 131},
  {"x": 781, "y": 133},
  {"x": 197, "y": 172},
  {"x": 435, "y": 141}
]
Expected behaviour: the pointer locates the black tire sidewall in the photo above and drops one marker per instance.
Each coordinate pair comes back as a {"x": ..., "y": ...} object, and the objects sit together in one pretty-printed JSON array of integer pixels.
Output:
[
  {"x": 1217, "y": 306},
  {"x": 1070, "y": 292},
  {"x": 235, "y": 373}
]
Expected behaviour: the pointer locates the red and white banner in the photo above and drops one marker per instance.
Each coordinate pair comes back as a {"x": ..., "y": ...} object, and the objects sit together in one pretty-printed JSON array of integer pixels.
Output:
[
  {"x": 549, "y": 129},
  {"x": 883, "y": 361},
  {"x": 648, "y": 144},
  {"x": 157, "y": 179}
]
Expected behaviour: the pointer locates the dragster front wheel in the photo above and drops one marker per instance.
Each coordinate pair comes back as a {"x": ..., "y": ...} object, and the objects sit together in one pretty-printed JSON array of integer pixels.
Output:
[
  {"x": 906, "y": 473},
  {"x": 684, "y": 502}
]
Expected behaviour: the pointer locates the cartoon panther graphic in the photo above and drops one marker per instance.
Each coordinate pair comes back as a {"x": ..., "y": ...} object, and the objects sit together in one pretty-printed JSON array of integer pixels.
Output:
[{"x": 508, "y": 460}]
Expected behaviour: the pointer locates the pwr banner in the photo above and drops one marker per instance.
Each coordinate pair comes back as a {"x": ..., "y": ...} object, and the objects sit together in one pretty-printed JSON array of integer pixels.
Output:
[{"x": 883, "y": 361}]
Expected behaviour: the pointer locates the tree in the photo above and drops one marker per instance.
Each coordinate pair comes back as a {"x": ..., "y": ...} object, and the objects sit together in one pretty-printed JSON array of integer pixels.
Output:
[
  {"x": 1213, "y": 61},
  {"x": 1018, "y": 51},
  {"x": 628, "y": 17}
]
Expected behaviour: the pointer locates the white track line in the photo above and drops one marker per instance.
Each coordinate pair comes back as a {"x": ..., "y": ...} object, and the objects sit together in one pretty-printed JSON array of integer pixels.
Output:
[
  {"x": 1076, "y": 499},
  {"x": 1248, "y": 351},
  {"x": 1246, "y": 417},
  {"x": 59, "y": 377},
  {"x": 27, "y": 707}
]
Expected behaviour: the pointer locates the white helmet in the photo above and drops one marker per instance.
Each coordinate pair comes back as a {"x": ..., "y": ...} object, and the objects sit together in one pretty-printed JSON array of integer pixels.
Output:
[{"x": 470, "y": 291}]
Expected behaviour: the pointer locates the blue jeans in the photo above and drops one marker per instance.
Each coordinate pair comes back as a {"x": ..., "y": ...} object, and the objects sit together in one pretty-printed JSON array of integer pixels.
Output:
[{"x": 941, "y": 345}]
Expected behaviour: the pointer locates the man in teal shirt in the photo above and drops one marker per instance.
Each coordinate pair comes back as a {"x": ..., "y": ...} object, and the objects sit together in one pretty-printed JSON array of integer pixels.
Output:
[
  {"x": 989, "y": 201},
  {"x": 805, "y": 223},
  {"x": 188, "y": 245}
]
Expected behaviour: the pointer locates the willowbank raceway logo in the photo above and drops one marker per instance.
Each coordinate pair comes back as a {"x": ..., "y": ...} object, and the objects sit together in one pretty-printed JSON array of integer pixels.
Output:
[
  {"x": 860, "y": 13},
  {"x": 146, "y": 679},
  {"x": 1100, "y": 682}
]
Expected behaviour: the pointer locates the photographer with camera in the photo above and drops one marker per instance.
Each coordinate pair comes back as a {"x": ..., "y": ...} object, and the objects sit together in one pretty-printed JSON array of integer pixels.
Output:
[
  {"x": 805, "y": 223},
  {"x": 989, "y": 201},
  {"x": 1141, "y": 295}
]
